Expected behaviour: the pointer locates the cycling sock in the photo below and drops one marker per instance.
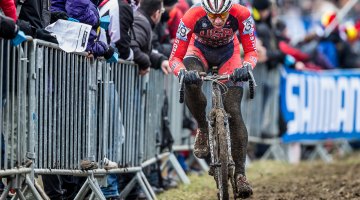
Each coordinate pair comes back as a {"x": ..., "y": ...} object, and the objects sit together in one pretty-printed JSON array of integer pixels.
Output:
[{"x": 238, "y": 132}]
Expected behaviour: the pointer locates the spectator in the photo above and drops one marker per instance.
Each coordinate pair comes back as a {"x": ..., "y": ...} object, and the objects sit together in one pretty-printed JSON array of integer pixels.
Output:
[
  {"x": 35, "y": 12},
  {"x": 336, "y": 51},
  {"x": 175, "y": 14},
  {"x": 183, "y": 5},
  {"x": 8, "y": 28},
  {"x": 262, "y": 12},
  {"x": 34, "y": 16},
  {"x": 264, "y": 28},
  {"x": 85, "y": 11},
  {"x": 321, "y": 7},
  {"x": 145, "y": 19},
  {"x": 9, "y": 9},
  {"x": 298, "y": 60},
  {"x": 261, "y": 50},
  {"x": 161, "y": 39},
  {"x": 120, "y": 30}
]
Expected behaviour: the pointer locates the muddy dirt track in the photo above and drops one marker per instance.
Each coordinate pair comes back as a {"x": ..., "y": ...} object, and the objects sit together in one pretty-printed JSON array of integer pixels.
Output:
[
  {"x": 339, "y": 180},
  {"x": 276, "y": 180}
]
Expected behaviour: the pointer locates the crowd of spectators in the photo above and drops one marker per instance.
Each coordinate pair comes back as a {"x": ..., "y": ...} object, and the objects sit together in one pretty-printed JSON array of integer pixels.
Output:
[
  {"x": 308, "y": 35},
  {"x": 319, "y": 39},
  {"x": 304, "y": 35}
]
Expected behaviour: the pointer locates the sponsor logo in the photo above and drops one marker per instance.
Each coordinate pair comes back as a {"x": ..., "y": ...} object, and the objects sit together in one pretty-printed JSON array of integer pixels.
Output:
[
  {"x": 175, "y": 46},
  {"x": 252, "y": 39},
  {"x": 321, "y": 104},
  {"x": 182, "y": 32},
  {"x": 83, "y": 41},
  {"x": 248, "y": 26},
  {"x": 217, "y": 34},
  {"x": 253, "y": 59}
]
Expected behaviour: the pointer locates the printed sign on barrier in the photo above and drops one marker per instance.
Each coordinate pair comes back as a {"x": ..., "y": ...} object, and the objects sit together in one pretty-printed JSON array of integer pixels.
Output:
[{"x": 320, "y": 105}]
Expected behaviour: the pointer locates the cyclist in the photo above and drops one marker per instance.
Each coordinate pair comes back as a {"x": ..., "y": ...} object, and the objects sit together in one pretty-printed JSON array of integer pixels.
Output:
[{"x": 205, "y": 38}]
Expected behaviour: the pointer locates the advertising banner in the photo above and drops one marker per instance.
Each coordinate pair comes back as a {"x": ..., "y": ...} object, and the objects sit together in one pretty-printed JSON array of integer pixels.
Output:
[{"x": 320, "y": 105}]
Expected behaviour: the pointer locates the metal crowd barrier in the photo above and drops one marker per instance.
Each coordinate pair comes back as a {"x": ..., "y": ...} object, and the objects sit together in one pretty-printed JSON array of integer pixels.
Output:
[
  {"x": 158, "y": 87},
  {"x": 15, "y": 97},
  {"x": 75, "y": 108},
  {"x": 153, "y": 103},
  {"x": 86, "y": 109},
  {"x": 260, "y": 113},
  {"x": 182, "y": 137},
  {"x": 63, "y": 123},
  {"x": 119, "y": 121},
  {"x": 64, "y": 112}
]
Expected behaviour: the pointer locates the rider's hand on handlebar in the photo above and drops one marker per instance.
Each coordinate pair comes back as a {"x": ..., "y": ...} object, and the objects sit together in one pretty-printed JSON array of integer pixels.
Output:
[
  {"x": 190, "y": 77},
  {"x": 241, "y": 74}
]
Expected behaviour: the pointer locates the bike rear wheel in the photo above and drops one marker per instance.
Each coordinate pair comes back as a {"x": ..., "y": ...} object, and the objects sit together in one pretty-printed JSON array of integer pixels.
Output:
[{"x": 222, "y": 172}]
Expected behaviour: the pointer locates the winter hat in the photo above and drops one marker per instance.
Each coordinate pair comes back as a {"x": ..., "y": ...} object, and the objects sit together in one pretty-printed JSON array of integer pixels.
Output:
[
  {"x": 261, "y": 4},
  {"x": 169, "y": 3}
]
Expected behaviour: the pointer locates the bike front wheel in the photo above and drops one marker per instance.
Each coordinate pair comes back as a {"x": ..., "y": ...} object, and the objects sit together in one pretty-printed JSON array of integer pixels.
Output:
[{"x": 222, "y": 170}]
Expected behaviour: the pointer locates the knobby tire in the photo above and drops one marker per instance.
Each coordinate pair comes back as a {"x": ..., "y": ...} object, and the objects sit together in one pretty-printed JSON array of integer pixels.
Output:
[{"x": 222, "y": 171}]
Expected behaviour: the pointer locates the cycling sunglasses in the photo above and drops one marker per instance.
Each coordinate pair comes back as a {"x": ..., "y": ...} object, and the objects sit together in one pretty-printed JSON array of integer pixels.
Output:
[{"x": 222, "y": 16}]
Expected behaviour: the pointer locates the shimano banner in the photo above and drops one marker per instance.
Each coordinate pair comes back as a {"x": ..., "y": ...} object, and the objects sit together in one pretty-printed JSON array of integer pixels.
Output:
[{"x": 320, "y": 105}]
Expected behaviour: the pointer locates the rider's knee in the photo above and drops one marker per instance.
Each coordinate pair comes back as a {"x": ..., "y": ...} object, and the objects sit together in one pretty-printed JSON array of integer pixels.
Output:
[{"x": 193, "y": 63}]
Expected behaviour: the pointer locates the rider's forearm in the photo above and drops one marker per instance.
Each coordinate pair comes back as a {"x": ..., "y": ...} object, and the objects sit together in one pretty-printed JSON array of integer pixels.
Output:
[
  {"x": 251, "y": 57},
  {"x": 176, "y": 65}
]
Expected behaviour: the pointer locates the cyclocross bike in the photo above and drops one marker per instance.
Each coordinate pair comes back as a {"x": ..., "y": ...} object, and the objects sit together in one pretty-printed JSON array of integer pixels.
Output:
[{"x": 222, "y": 162}]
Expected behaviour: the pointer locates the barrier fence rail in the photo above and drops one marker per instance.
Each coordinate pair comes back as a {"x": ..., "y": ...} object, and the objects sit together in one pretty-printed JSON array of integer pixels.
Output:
[
  {"x": 17, "y": 151},
  {"x": 62, "y": 100}
]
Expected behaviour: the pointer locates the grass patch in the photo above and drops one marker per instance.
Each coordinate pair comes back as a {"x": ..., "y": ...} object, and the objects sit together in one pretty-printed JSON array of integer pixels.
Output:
[{"x": 201, "y": 187}]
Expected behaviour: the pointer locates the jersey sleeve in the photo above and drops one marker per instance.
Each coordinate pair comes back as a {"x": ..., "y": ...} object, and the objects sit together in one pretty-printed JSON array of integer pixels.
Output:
[
  {"x": 9, "y": 9},
  {"x": 247, "y": 35},
  {"x": 182, "y": 40}
]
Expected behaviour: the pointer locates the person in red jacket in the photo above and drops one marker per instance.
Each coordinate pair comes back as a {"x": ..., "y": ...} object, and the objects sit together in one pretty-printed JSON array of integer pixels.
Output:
[
  {"x": 175, "y": 14},
  {"x": 9, "y": 9},
  {"x": 205, "y": 38},
  {"x": 183, "y": 6}
]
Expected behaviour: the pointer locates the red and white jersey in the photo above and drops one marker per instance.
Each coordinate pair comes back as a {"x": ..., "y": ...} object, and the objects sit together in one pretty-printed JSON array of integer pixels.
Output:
[{"x": 195, "y": 25}]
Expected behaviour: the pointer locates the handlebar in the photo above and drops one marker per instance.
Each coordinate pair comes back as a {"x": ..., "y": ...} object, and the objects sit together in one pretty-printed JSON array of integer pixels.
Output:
[
  {"x": 182, "y": 89},
  {"x": 252, "y": 84},
  {"x": 205, "y": 77}
]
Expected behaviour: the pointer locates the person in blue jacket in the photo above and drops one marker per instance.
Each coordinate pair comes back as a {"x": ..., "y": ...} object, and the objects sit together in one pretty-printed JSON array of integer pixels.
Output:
[{"x": 85, "y": 11}]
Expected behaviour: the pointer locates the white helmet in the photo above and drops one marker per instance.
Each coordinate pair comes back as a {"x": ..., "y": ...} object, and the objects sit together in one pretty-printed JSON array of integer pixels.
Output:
[{"x": 216, "y": 6}]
